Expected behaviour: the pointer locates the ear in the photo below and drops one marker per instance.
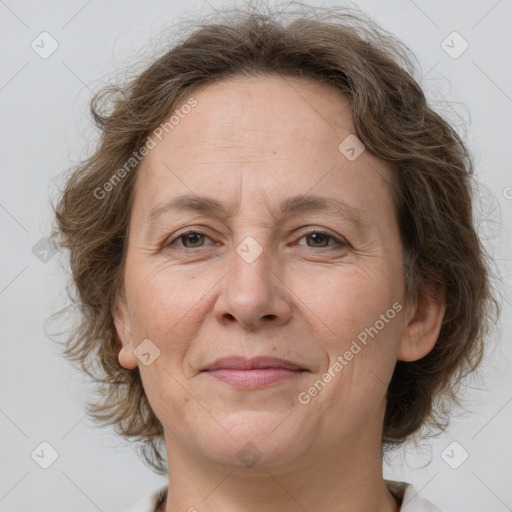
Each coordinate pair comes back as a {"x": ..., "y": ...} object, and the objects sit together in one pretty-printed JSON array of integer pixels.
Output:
[
  {"x": 424, "y": 320},
  {"x": 123, "y": 327}
]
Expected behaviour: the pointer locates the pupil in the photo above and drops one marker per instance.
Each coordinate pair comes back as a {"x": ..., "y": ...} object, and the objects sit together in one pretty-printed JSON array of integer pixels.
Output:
[
  {"x": 315, "y": 236},
  {"x": 192, "y": 237}
]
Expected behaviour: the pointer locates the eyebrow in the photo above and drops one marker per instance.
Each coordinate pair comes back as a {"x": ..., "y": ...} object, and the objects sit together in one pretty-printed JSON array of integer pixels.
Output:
[{"x": 303, "y": 203}]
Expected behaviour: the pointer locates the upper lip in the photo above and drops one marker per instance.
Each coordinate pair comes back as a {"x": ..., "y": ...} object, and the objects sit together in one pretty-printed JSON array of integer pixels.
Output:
[{"x": 242, "y": 363}]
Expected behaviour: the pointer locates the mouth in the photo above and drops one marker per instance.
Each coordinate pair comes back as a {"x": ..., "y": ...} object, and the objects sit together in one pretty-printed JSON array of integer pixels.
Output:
[{"x": 258, "y": 372}]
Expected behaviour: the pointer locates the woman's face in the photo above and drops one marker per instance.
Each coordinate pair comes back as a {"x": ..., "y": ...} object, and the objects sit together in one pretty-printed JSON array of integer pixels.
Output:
[{"x": 300, "y": 261}]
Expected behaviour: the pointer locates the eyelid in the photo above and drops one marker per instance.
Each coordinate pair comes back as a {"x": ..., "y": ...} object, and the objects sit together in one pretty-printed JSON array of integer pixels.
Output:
[
  {"x": 200, "y": 231},
  {"x": 338, "y": 239},
  {"x": 319, "y": 229},
  {"x": 175, "y": 237}
]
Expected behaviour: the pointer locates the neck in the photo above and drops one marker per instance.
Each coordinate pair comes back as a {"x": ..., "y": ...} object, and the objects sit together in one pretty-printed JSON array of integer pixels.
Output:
[{"x": 342, "y": 478}]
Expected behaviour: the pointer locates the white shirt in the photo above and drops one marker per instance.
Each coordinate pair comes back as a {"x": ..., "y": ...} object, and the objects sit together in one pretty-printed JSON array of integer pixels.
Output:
[{"x": 411, "y": 502}]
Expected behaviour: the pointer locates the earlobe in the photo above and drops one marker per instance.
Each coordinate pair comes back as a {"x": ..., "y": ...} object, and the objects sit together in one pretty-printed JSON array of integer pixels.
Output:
[
  {"x": 124, "y": 342},
  {"x": 423, "y": 327}
]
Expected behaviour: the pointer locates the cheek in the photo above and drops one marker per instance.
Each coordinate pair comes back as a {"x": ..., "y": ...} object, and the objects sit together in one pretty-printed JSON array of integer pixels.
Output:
[
  {"x": 167, "y": 306},
  {"x": 348, "y": 301},
  {"x": 357, "y": 318},
  {"x": 164, "y": 308}
]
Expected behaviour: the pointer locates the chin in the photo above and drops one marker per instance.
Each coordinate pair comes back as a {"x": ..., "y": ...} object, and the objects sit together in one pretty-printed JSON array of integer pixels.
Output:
[{"x": 253, "y": 439}]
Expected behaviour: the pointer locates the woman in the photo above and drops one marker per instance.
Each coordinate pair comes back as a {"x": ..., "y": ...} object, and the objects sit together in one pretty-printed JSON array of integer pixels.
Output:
[{"x": 276, "y": 264}]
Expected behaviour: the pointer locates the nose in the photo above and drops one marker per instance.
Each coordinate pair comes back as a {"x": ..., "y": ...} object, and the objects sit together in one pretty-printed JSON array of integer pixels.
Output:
[{"x": 253, "y": 295}]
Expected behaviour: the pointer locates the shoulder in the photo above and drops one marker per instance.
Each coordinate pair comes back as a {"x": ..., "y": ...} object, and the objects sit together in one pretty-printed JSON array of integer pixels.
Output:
[
  {"x": 150, "y": 502},
  {"x": 411, "y": 500}
]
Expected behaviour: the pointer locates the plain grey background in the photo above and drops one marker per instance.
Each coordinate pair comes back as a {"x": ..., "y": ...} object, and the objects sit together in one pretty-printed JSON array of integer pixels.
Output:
[{"x": 45, "y": 128}]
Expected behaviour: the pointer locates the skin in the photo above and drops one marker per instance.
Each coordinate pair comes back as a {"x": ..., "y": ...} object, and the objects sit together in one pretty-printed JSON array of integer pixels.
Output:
[{"x": 251, "y": 143}]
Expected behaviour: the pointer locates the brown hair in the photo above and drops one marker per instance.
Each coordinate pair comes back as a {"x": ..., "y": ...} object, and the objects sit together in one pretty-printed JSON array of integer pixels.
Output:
[{"x": 432, "y": 180}]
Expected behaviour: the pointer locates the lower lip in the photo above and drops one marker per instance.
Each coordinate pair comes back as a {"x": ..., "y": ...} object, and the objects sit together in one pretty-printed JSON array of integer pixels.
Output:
[{"x": 252, "y": 379}]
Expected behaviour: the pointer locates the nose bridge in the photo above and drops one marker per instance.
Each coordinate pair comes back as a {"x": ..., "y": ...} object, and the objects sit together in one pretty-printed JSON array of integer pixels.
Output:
[
  {"x": 252, "y": 291},
  {"x": 252, "y": 278}
]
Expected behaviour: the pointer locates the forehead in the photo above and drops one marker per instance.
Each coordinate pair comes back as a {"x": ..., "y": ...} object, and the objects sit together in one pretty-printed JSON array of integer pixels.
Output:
[
  {"x": 278, "y": 133},
  {"x": 262, "y": 113}
]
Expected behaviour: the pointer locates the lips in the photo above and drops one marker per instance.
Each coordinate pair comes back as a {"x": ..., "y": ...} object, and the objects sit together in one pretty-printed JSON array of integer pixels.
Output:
[
  {"x": 251, "y": 374},
  {"x": 261, "y": 362}
]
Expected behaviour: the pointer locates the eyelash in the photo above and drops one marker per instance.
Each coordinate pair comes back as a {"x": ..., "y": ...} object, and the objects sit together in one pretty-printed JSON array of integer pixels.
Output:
[{"x": 169, "y": 244}]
